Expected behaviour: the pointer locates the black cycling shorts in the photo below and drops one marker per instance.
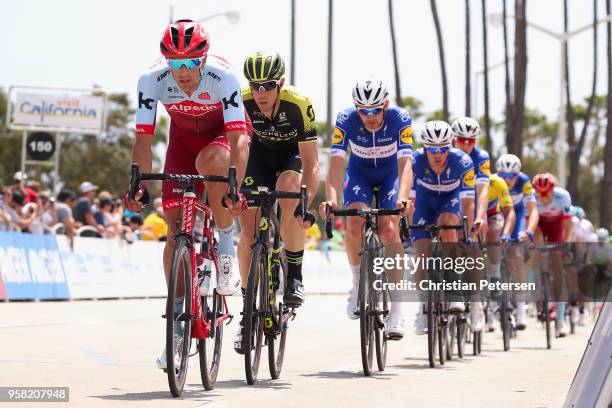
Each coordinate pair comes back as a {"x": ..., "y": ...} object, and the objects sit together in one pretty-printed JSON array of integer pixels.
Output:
[{"x": 265, "y": 165}]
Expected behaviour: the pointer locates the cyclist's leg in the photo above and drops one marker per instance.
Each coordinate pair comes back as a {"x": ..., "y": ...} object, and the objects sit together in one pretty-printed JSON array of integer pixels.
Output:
[
  {"x": 518, "y": 269},
  {"x": 554, "y": 234}
]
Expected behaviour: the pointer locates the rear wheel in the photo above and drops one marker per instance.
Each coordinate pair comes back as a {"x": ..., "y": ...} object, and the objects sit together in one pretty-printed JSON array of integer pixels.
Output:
[
  {"x": 209, "y": 349},
  {"x": 546, "y": 308},
  {"x": 178, "y": 321},
  {"x": 276, "y": 341},
  {"x": 432, "y": 327},
  {"x": 381, "y": 300},
  {"x": 461, "y": 329},
  {"x": 453, "y": 321},
  {"x": 255, "y": 305},
  {"x": 504, "y": 320}
]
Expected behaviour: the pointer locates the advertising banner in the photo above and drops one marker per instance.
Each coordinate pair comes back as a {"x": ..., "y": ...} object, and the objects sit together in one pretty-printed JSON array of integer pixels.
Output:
[
  {"x": 30, "y": 267},
  {"x": 58, "y": 111}
]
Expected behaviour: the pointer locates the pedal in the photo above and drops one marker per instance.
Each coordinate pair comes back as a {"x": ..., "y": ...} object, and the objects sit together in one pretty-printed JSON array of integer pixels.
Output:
[
  {"x": 394, "y": 337},
  {"x": 230, "y": 317}
]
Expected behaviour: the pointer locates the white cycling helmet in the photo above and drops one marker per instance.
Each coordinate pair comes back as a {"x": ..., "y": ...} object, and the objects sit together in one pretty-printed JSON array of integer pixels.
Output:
[
  {"x": 602, "y": 234},
  {"x": 437, "y": 132},
  {"x": 466, "y": 127},
  {"x": 508, "y": 163},
  {"x": 370, "y": 92}
]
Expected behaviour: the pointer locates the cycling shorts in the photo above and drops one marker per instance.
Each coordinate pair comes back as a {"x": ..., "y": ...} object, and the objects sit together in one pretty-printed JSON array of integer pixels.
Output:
[
  {"x": 552, "y": 231},
  {"x": 359, "y": 183},
  {"x": 429, "y": 206},
  {"x": 266, "y": 165},
  {"x": 181, "y": 155}
]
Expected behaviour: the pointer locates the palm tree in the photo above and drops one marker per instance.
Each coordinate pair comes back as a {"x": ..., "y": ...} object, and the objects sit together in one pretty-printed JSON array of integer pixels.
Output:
[
  {"x": 514, "y": 139},
  {"x": 576, "y": 149},
  {"x": 468, "y": 68},
  {"x": 486, "y": 77},
  {"x": 605, "y": 209},
  {"x": 434, "y": 12},
  {"x": 508, "y": 110},
  {"x": 292, "y": 42},
  {"x": 398, "y": 88}
]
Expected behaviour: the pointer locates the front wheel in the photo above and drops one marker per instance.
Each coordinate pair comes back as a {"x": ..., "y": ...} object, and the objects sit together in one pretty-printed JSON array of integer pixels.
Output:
[
  {"x": 178, "y": 320},
  {"x": 432, "y": 327},
  {"x": 254, "y": 307},
  {"x": 276, "y": 341},
  {"x": 209, "y": 348},
  {"x": 366, "y": 315}
]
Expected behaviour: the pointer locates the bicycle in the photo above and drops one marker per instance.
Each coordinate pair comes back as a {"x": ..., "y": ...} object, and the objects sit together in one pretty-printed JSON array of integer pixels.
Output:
[
  {"x": 437, "y": 304},
  {"x": 265, "y": 316},
  {"x": 201, "y": 317},
  {"x": 373, "y": 302}
]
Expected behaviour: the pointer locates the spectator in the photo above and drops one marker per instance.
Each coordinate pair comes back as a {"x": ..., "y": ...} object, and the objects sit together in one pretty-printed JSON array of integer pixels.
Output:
[
  {"x": 48, "y": 218},
  {"x": 28, "y": 193},
  {"x": 135, "y": 225},
  {"x": 154, "y": 226},
  {"x": 82, "y": 210},
  {"x": 66, "y": 200},
  {"x": 6, "y": 219},
  {"x": 313, "y": 237},
  {"x": 13, "y": 205},
  {"x": 32, "y": 211}
]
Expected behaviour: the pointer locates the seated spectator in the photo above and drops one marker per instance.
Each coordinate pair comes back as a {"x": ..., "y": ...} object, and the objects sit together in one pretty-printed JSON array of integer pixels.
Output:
[
  {"x": 154, "y": 226},
  {"x": 82, "y": 211},
  {"x": 66, "y": 199}
]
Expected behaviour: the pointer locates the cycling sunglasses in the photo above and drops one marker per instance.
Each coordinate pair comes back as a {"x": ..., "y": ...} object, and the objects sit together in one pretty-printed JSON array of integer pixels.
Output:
[
  {"x": 263, "y": 86},
  {"x": 437, "y": 149},
  {"x": 507, "y": 175},
  {"x": 465, "y": 140},
  {"x": 544, "y": 194},
  {"x": 188, "y": 63},
  {"x": 371, "y": 111}
]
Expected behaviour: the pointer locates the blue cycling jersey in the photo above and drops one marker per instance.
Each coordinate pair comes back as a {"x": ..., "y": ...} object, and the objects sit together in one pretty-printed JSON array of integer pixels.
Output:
[
  {"x": 482, "y": 164},
  {"x": 373, "y": 149},
  {"x": 522, "y": 192},
  {"x": 459, "y": 175}
]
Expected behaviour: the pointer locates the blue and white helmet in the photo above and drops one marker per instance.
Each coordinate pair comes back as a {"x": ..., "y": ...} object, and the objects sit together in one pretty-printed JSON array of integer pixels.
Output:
[
  {"x": 437, "y": 132},
  {"x": 508, "y": 163},
  {"x": 466, "y": 127},
  {"x": 370, "y": 92},
  {"x": 602, "y": 234}
]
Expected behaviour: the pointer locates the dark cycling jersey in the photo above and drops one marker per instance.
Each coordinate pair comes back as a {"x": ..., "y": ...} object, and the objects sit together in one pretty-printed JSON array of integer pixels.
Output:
[{"x": 292, "y": 123}]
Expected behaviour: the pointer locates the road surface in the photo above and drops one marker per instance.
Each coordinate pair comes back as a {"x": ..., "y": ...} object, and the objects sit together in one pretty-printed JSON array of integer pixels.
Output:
[{"x": 105, "y": 352}]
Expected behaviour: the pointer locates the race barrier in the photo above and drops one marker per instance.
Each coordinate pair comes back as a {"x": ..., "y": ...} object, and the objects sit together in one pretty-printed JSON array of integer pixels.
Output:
[{"x": 43, "y": 267}]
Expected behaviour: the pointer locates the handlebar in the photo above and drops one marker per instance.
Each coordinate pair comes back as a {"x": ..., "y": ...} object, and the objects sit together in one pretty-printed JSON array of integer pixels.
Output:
[
  {"x": 363, "y": 212},
  {"x": 137, "y": 177},
  {"x": 302, "y": 196},
  {"x": 435, "y": 228}
]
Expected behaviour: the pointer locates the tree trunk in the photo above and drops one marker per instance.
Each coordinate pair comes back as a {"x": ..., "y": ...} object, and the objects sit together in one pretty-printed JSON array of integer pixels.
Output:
[
  {"x": 574, "y": 157},
  {"x": 605, "y": 199},
  {"x": 434, "y": 12},
  {"x": 487, "y": 119},
  {"x": 398, "y": 88},
  {"x": 292, "y": 76},
  {"x": 468, "y": 67},
  {"x": 330, "y": 54},
  {"x": 515, "y": 138},
  {"x": 508, "y": 110},
  {"x": 576, "y": 149}
]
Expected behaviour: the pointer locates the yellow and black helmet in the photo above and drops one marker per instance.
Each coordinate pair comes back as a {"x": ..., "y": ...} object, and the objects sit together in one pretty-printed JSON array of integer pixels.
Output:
[{"x": 262, "y": 67}]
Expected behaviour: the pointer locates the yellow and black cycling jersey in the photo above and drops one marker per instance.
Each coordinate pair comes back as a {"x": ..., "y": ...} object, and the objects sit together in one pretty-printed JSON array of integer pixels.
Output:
[
  {"x": 292, "y": 123},
  {"x": 499, "y": 195}
]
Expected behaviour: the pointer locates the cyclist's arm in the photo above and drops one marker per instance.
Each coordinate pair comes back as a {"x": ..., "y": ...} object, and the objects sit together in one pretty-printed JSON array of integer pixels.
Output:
[
  {"x": 142, "y": 151},
  {"x": 482, "y": 197},
  {"x": 404, "y": 165},
  {"x": 235, "y": 123},
  {"x": 335, "y": 174},
  {"x": 239, "y": 152},
  {"x": 568, "y": 227},
  {"x": 510, "y": 219},
  {"x": 533, "y": 214},
  {"x": 309, "y": 153},
  {"x": 467, "y": 191},
  {"x": 467, "y": 209}
]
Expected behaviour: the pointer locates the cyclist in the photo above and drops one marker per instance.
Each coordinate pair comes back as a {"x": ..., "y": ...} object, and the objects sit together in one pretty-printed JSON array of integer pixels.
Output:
[
  {"x": 283, "y": 156},
  {"x": 500, "y": 228},
  {"x": 208, "y": 132},
  {"x": 444, "y": 180},
  {"x": 508, "y": 167},
  {"x": 380, "y": 140},
  {"x": 466, "y": 131},
  {"x": 555, "y": 226}
]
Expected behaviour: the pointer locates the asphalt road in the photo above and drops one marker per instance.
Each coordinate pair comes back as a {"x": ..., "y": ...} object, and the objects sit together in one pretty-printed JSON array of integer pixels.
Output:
[{"x": 105, "y": 352}]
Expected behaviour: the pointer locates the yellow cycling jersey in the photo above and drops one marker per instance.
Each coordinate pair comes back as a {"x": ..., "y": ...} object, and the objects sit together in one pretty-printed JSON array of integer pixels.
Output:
[{"x": 499, "y": 194}]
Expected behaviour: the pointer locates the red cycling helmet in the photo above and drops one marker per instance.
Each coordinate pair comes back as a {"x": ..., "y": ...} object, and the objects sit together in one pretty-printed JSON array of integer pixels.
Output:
[
  {"x": 184, "y": 39},
  {"x": 544, "y": 183}
]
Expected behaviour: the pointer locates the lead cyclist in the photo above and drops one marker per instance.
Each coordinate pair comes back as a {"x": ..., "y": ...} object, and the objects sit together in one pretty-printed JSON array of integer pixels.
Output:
[{"x": 208, "y": 133}]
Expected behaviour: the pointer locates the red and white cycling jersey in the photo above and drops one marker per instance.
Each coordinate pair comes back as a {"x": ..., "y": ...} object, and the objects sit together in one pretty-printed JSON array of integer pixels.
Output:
[
  {"x": 558, "y": 208},
  {"x": 215, "y": 106}
]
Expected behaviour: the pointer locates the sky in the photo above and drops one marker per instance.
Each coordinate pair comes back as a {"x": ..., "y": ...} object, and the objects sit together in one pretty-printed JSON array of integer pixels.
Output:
[{"x": 76, "y": 44}]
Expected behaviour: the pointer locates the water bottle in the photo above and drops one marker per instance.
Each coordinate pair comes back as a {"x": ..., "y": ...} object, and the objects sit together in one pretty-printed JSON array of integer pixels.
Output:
[{"x": 204, "y": 273}]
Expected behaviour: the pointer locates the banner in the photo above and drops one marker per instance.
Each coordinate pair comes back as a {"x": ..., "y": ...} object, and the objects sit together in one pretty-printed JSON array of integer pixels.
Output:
[
  {"x": 59, "y": 111},
  {"x": 30, "y": 267}
]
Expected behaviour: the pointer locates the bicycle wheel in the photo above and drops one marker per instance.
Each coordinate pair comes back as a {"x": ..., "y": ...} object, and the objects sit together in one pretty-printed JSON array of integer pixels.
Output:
[
  {"x": 442, "y": 337},
  {"x": 209, "y": 349},
  {"x": 366, "y": 315},
  {"x": 461, "y": 329},
  {"x": 255, "y": 305},
  {"x": 432, "y": 327},
  {"x": 546, "y": 308},
  {"x": 178, "y": 322},
  {"x": 452, "y": 333},
  {"x": 504, "y": 320},
  {"x": 276, "y": 341},
  {"x": 381, "y": 302}
]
